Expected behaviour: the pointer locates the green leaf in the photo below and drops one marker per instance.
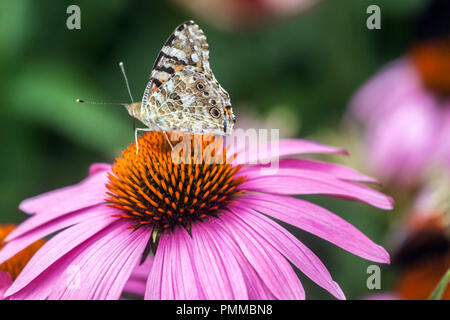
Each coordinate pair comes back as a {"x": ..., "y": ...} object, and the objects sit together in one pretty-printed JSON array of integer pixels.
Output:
[{"x": 439, "y": 291}]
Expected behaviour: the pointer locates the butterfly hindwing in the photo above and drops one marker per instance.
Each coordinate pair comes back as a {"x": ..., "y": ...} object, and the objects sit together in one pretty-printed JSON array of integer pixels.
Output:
[{"x": 186, "y": 46}]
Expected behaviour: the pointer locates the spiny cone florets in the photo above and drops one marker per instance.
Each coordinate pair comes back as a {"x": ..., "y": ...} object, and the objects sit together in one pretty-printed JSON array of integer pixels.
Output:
[{"x": 165, "y": 188}]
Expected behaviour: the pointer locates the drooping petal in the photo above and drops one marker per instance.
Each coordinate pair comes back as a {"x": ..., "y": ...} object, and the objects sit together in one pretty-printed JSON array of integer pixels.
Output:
[
  {"x": 142, "y": 270},
  {"x": 400, "y": 78},
  {"x": 38, "y": 227},
  {"x": 296, "y": 181},
  {"x": 60, "y": 245},
  {"x": 402, "y": 145},
  {"x": 138, "y": 278},
  {"x": 5, "y": 282},
  {"x": 303, "y": 258},
  {"x": 135, "y": 287},
  {"x": 261, "y": 154},
  {"x": 173, "y": 275},
  {"x": 153, "y": 289},
  {"x": 89, "y": 192},
  {"x": 185, "y": 278},
  {"x": 270, "y": 265},
  {"x": 336, "y": 170},
  {"x": 99, "y": 167},
  {"x": 256, "y": 288},
  {"x": 98, "y": 268},
  {"x": 383, "y": 296},
  {"x": 218, "y": 271},
  {"x": 402, "y": 119},
  {"x": 443, "y": 152},
  {"x": 319, "y": 221},
  {"x": 105, "y": 266}
]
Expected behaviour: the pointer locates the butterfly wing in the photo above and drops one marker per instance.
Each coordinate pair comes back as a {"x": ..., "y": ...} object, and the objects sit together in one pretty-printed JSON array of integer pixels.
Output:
[{"x": 186, "y": 46}]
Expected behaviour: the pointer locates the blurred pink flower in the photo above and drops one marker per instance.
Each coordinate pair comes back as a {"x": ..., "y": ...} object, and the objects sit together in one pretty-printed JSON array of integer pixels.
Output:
[
  {"x": 407, "y": 126},
  {"x": 420, "y": 241},
  {"x": 383, "y": 296},
  {"x": 233, "y": 14},
  {"x": 207, "y": 249}
]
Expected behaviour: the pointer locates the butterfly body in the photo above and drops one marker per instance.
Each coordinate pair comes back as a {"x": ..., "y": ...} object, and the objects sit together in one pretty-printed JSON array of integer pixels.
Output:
[{"x": 182, "y": 94}]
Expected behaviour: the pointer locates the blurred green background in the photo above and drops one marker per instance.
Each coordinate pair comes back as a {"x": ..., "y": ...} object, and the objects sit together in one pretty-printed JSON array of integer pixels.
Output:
[{"x": 310, "y": 64}]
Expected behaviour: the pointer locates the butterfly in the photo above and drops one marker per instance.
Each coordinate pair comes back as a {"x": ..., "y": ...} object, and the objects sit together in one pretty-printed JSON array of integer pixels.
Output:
[{"x": 182, "y": 93}]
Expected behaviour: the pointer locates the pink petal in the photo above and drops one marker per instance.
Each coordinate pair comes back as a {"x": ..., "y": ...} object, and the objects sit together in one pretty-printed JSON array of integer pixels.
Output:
[
  {"x": 337, "y": 171},
  {"x": 142, "y": 271},
  {"x": 317, "y": 220},
  {"x": 286, "y": 147},
  {"x": 153, "y": 289},
  {"x": 383, "y": 296},
  {"x": 135, "y": 287},
  {"x": 296, "y": 181},
  {"x": 24, "y": 235},
  {"x": 105, "y": 267},
  {"x": 61, "y": 244},
  {"x": 399, "y": 78},
  {"x": 89, "y": 192},
  {"x": 173, "y": 275},
  {"x": 218, "y": 271},
  {"x": 402, "y": 120},
  {"x": 256, "y": 288},
  {"x": 99, "y": 167},
  {"x": 137, "y": 282},
  {"x": 98, "y": 268},
  {"x": 180, "y": 258},
  {"x": 271, "y": 266},
  {"x": 402, "y": 145},
  {"x": 5, "y": 282},
  {"x": 303, "y": 258},
  {"x": 443, "y": 152}
]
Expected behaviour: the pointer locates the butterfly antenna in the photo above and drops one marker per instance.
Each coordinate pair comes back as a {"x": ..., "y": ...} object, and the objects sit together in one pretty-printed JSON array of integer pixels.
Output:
[
  {"x": 122, "y": 68},
  {"x": 93, "y": 102}
]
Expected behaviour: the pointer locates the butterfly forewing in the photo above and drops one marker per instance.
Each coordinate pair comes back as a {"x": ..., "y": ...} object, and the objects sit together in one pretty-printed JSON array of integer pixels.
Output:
[
  {"x": 182, "y": 93},
  {"x": 186, "y": 46}
]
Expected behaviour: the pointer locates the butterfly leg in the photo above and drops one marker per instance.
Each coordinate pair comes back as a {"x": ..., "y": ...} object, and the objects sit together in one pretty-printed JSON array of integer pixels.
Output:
[
  {"x": 165, "y": 134},
  {"x": 148, "y": 129},
  {"x": 168, "y": 140},
  {"x": 136, "y": 130}
]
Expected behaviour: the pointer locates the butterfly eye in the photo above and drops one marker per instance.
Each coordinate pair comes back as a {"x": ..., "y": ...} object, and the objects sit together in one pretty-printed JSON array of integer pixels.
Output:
[
  {"x": 213, "y": 102},
  {"x": 200, "y": 86},
  {"x": 214, "y": 112}
]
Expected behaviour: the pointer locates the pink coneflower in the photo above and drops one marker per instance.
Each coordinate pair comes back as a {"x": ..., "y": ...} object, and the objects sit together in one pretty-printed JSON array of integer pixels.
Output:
[
  {"x": 238, "y": 14},
  {"x": 422, "y": 256},
  {"x": 420, "y": 242},
  {"x": 406, "y": 113},
  {"x": 209, "y": 225},
  {"x": 10, "y": 269}
]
